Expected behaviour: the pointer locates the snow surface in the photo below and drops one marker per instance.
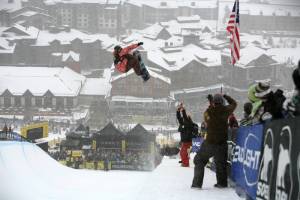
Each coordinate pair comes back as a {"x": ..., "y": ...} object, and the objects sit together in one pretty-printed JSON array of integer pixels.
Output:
[
  {"x": 60, "y": 81},
  {"x": 35, "y": 176}
]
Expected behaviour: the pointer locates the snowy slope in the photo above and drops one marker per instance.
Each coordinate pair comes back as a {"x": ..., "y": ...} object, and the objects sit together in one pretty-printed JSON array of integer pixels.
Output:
[{"x": 27, "y": 173}]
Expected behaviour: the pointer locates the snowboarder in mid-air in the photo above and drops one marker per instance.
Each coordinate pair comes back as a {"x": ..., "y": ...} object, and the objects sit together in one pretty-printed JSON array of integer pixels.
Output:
[{"x": 127, "y": 58}]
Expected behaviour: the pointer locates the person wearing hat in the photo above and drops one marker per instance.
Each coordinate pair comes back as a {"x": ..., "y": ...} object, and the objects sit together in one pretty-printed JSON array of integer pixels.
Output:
[
  {"x": 126, "y": 59},
  {"x": 247, "y": 112},
  {"x": 215, "y": 144},
  {"x": 256, "y": 94}
]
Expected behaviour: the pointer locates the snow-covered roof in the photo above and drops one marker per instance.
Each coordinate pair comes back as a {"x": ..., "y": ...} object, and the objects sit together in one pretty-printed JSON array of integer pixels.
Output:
[
  {"x": 71, "y": 55},
  {"x": 66, "y": 37},
  {"x": 264, "y": 9},
  {"x": 151, "y": 72},
  {"x": 39, "y": 80},
  {"x": 139, "y": 99},
  {"x": 97, "y": 86},
  {"x": 173, "y": 4},
  {"x": 176, "y": 60},
  {"x": 285, "y": 55},
  {"x": 270, "y": 10},
  {"x": 30, "y": 13},
  {"x": 45, "y": 37},
  {"x": 10, "y": 5},
  {"x": 193, "y": 18},
  {"x": 205, "y": 89},
  {"x": 192, "y": 24},
  {"x": 18, "y": 30},
  {"x": 248, "y": 54},
  {"x": 5, "y": 47},
  {"x": 152, "y": 31},
  {"x": 51, "y": 2}
]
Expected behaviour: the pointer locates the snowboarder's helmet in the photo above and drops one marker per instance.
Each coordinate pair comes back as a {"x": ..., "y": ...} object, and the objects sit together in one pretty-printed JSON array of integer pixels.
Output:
[{"x": 117, "y": 48}]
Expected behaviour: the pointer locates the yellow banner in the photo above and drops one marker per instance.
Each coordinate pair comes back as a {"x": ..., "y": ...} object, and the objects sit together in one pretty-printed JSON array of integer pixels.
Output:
[
  {"x": 76, "y": 153},
  {"x": 94, "y": 145}
]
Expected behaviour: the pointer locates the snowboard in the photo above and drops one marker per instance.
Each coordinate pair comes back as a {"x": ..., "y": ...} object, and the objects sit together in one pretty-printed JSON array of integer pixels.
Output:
[{"x": 145, "y": 73}]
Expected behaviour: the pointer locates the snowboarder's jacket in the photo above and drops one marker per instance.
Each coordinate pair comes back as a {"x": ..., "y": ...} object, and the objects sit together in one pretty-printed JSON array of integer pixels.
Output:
[
  {"x": 185, "y": 126},
  {"x": 127, "y": 60},
  {"x": 217, "y": 121}
]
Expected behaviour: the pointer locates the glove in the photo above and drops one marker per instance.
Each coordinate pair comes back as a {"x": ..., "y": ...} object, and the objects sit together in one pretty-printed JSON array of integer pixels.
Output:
[{"x": 140, "y": 43}]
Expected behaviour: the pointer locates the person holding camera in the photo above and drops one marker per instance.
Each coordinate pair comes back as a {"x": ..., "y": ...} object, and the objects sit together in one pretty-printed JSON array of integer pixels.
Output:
[
  {"x": 215, "y": 144},
  {"x": 186, "y": 134}
]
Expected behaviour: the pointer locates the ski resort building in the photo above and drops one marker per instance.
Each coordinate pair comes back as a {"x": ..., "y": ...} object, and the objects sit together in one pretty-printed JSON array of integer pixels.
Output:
[
  {"x": 272, "y": 17},
  {"x": 24, "y": 13},
  {"x": 103, "y": 16},
  {"x": 31, "y": 46},
  {"x": 131, "y": 100},
  {"x": 48, "y": 93},
  {"x": 140, "y": 13}
]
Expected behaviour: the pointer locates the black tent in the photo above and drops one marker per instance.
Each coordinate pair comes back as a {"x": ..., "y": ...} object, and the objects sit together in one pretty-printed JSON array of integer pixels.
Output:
[
  {"x": 139, "y": 137},
  {"x": 109, "y": 137}
]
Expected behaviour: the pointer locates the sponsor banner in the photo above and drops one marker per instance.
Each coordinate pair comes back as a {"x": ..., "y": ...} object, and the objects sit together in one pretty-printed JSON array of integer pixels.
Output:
[
  {"x": 231, "y": 144},
  {"x": 246, "y": 158},
  {"x": 196, "y": 144},
  {"x": 279, "y": 170}
]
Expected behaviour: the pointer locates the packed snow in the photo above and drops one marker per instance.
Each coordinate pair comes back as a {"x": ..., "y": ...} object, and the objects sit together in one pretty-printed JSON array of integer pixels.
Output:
[{"x": 35, "y": 176}]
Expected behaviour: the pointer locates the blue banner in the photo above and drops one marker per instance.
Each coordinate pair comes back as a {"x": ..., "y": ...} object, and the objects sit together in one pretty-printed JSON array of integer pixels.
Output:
[
  {"x": 246, "y": 158},
  {"x": 196, "y": 144}
]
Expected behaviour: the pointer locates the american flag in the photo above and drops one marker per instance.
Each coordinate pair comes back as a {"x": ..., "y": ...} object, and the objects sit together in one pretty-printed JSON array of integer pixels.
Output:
[{"x": 234, "y": 30}]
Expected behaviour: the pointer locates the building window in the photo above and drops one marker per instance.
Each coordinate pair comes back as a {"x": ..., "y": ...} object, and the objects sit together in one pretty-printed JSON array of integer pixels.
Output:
[
  {"x": 28, "y": 101},
  {"x": 69, "y": 102},
  {"x": 47, "y": 102},
  {"x": 59, "y": 102},
  {"x": 17, "y": 101},
  {"x": 39, "y": 101},
  {"x": 7, "y": 101}
]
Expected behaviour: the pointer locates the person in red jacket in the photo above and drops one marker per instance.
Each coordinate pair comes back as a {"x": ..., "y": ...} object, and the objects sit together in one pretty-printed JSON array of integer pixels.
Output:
[
  {"x": 186, "y": 134},
  {"x": 128, "y": 58}
]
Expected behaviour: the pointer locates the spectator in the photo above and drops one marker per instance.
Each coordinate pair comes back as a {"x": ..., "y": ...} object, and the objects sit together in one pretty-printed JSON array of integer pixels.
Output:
[
  {"x": 215, "y": 144},
  {"x": 247, "y": 112},
  {"x": 232, "y": 122},
  {"x": 293, "y": 107},
  {"x": 185, "y": 129},
  {"x": 5, "y": 129},
  {"x": 257, "y": 94},
  {"x": 274, "y": 104}
]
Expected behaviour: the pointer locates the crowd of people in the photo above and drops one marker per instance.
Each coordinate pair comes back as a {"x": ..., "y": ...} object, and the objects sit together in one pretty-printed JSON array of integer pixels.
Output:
[
  {"x": 263, "y": 105},
  {"x": 139, "y": 160}
]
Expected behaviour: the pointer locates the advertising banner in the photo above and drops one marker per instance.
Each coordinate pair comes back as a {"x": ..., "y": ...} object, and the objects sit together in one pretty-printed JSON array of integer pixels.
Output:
[
  {"x": 196, "y": 144},
  {"x": 246, "y": 158},
  {"x": 279, "y": 171}
]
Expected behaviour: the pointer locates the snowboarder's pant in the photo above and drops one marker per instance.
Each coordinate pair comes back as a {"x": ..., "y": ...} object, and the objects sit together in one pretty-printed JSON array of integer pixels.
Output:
[
  {"x": 184, "y": 153},
  {"x": 219, "y": 152},
  {"x": 133, "y": 62}
]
